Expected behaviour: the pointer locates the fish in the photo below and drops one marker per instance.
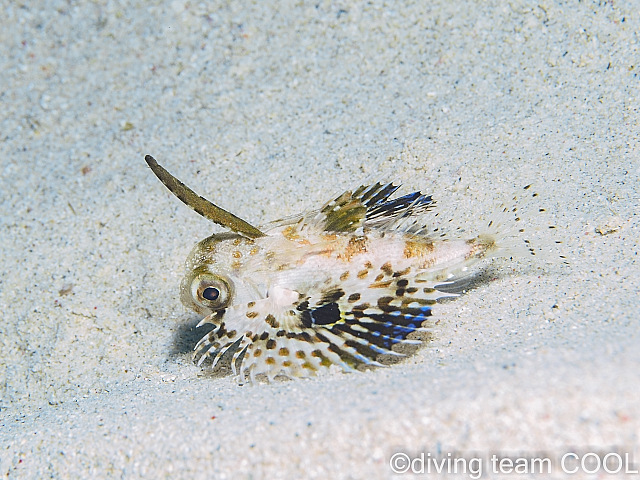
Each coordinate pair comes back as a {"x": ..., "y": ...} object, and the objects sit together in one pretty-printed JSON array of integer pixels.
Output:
[{"x": 348, "y": 286}]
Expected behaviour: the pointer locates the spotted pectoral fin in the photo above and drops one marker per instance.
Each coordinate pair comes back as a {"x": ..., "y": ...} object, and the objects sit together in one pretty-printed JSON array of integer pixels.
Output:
[
  {"x": 387, "y": 327},
  {"x": 388, "y": 317},
  {"x": 298, "y": 352},
  {"x": 302, "y": 341},
  {"x": 370, "y": 326},
  {"x": 267, "y": 336}
]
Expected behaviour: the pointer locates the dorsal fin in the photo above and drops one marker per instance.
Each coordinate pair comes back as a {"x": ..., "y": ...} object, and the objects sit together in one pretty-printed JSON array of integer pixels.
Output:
[
  {"x": 200, "y": 204},
  {"x": 391, "y": 212},
  {"x": 367, "y": 206}
]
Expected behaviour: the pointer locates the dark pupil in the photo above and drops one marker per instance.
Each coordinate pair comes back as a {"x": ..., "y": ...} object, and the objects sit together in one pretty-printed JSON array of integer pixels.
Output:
[{"x": 211, "y": 293}]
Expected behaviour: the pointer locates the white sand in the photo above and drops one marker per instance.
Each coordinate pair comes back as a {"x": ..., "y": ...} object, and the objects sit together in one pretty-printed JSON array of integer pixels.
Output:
[{"x": 268, "y": 111}]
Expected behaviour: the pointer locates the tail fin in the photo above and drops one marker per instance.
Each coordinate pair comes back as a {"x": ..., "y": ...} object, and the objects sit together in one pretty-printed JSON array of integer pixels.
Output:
[{"x": 515, "y": 230}]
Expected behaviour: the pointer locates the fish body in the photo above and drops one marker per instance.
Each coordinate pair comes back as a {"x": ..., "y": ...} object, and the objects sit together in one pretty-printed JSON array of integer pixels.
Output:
[{"x": 351, "y": 284}]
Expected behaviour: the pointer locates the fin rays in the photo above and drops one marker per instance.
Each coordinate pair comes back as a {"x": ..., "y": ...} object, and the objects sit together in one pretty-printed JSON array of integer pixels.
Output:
[{"x": 368, "y": 206}]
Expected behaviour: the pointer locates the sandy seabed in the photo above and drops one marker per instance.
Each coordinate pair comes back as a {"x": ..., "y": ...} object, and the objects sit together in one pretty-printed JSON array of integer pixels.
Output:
[{"x": 268, "y": 110}]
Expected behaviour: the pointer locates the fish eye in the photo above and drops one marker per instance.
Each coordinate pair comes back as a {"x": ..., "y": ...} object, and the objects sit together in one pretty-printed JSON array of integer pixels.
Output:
[{"x": 211, "y": 291}]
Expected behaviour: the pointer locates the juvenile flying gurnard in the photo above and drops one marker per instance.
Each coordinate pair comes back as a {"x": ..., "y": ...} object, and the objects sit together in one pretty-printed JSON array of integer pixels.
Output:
[{"x": 350, "y": 284}]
